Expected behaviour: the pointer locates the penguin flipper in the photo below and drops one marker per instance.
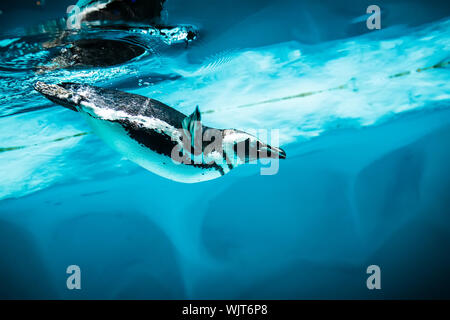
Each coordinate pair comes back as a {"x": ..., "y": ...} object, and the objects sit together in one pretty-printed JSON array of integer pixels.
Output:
[{"x": 192, "y": 125}]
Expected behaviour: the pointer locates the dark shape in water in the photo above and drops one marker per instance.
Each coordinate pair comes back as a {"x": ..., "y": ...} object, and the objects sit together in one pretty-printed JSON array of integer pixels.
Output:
[
  {"x": 108, "y": 52},
  {"x": 97, "y": 53},
  {"x": 121, "y": 10}
]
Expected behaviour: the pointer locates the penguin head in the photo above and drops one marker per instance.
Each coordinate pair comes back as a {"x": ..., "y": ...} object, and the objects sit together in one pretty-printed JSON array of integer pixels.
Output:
[{"x": 244, "y": 147}]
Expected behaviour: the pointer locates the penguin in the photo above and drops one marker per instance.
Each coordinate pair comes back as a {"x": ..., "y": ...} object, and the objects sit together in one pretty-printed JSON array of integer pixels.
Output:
[{"x": 158, "y": 137}]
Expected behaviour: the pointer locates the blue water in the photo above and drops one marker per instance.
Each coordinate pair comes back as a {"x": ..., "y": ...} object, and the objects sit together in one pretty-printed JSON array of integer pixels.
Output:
[{"x": 363, "y": 116}]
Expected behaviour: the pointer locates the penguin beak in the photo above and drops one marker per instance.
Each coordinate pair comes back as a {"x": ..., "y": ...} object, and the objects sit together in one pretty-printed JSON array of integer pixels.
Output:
[
  {"x": 279, "y": 152},
  {"x": 267, "y": 151},
  {"x": 59, "y": 95}
]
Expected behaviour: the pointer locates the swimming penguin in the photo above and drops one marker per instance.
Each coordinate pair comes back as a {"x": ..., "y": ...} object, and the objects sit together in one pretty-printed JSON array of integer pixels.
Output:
[{"x": 158, "y": 137}]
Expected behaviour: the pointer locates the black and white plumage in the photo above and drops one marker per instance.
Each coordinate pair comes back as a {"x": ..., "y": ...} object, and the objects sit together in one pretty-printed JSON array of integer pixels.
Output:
[{"x": 155, "y": 135}]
